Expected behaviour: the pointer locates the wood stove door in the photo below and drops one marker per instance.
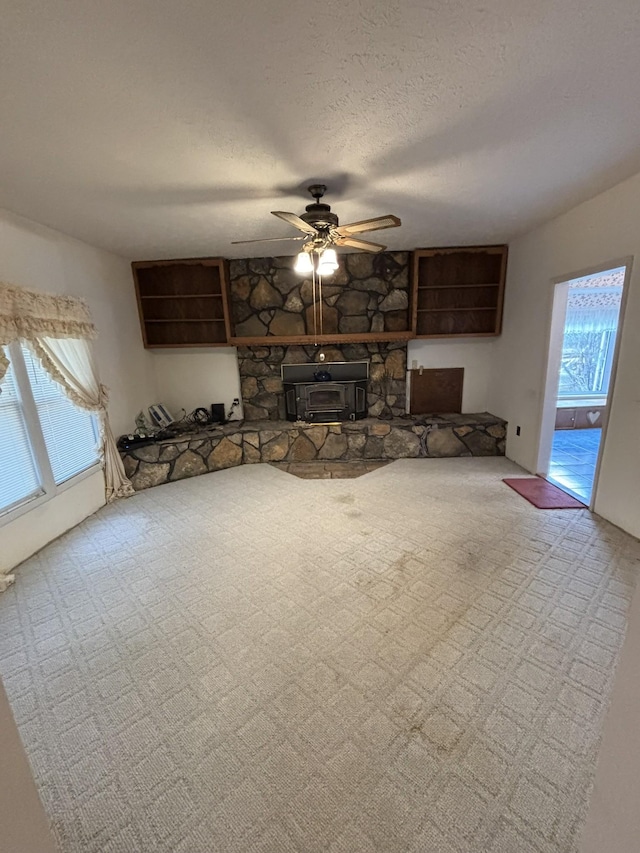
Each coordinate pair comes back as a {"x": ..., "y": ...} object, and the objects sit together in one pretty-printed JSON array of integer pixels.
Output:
[{"x": 325, "y": 397}]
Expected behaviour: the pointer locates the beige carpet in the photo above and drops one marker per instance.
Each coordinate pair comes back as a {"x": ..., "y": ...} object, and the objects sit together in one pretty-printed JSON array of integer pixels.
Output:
[{"x": 415, "y": 660}]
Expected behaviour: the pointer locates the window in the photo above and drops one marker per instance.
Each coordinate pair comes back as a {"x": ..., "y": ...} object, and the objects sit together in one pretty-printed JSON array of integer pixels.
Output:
[
  {"x": 19, "y": 478},
  {"x": 591, "y": 320},
  {"x": 45, "y": 440},
  {"x": 69, "y": 432},
  {"x": 586, "y": 363}
]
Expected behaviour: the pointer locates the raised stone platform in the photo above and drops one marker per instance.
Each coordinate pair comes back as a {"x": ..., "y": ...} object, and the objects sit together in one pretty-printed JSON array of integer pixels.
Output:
[
  {"x": 348, "y": 469},
  {"x": 246, "y": 442}
]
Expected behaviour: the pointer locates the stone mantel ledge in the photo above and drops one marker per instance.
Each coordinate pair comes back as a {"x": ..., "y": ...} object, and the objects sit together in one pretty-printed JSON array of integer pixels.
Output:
[{"x": 247, "y": 442}]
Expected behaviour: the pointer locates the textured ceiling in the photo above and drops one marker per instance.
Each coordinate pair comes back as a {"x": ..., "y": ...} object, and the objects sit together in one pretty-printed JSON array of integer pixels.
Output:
[{"x": 158, "y": 128}]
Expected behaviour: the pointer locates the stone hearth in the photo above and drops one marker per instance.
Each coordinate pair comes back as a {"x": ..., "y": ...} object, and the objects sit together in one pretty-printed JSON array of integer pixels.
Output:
[
  {"x": 330, "y": 470},
  {"x": 246, "y": 442}
]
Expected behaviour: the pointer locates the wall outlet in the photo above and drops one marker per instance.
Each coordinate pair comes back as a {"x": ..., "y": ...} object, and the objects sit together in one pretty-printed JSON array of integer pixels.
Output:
[
  {"x": 414, "y": 364},
  {"x": 236, "y": 402},
  {"x": 517, "y": 430}
]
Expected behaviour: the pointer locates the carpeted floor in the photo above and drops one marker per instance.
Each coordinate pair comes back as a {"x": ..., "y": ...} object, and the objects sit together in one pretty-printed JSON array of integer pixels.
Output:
[{"x": 416, "y": 660}]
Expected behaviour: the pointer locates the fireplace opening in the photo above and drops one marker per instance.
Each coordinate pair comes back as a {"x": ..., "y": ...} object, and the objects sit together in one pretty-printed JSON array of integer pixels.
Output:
[
  {"x": 338, "y": 401},
  {"x": 325, "y": 398},
  {"x": 342, "y": 398}
]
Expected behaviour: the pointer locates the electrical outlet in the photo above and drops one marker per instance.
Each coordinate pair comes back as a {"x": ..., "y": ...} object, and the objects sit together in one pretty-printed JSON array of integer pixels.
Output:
[
  {"x": 517, "y": 430},
  {"x": 414, "y": 364},
  {"x": 236, "y": 401}
]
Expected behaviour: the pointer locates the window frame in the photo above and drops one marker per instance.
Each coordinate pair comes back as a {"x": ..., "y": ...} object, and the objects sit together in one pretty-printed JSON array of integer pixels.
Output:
[{"x": 38, "y": 446}]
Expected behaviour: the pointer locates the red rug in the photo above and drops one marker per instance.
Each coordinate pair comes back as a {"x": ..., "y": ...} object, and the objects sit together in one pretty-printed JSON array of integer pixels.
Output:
[{"x": 543, "y": 494}]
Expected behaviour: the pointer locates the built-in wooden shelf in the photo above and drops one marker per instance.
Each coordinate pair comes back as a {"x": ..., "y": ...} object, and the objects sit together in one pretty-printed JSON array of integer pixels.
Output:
[
  {"x": 183, "y": 303},
  {"x": 458, "y": 292},
  {"x": 336, "y": 338},
  {"x": 189, "y": 320},
  {"x": 186, "y": 296},
  {"x": 459, "y": 286},
  {"x": 431, "y": 310}
]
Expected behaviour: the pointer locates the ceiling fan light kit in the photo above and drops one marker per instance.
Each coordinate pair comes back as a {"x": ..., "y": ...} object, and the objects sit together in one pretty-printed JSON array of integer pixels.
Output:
[
  {"x": 323, "y": 231},
  {"x": 328, "y": 262},
  {"x": 303, "y": 264}
]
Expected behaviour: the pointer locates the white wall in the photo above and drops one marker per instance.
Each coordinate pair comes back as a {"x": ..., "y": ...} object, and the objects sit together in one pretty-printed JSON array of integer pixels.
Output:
[
  {"x": 604, "y": 230},
  {"x": 474, "y": 354},
  {"x": 188, "y": 379},
  {"x": 25, "y": 826},
  {"x": 613, "y": 820},
  {"x": 30, "y": 532},
  {"x": 36, "y": 257}
]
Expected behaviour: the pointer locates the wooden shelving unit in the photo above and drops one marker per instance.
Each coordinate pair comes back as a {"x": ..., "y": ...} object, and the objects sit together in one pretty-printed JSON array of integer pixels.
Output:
[
  {"x": 183, "y": 303},
  {"x": 458, "y": 292},
  {"x": 336, "y": 338}
]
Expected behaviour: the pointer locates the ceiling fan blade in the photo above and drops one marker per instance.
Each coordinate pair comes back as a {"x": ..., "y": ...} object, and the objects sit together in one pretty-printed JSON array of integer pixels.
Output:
[
  {"x": 294, "y": 220},
  {"x": 266, "y": 240},
  {"x": 363, "y": 245},
  {"x": 376, "y": 224}
]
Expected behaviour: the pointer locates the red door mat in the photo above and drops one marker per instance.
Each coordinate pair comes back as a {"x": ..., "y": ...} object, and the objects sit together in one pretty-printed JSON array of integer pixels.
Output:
[{"x": 543, "y": 494}]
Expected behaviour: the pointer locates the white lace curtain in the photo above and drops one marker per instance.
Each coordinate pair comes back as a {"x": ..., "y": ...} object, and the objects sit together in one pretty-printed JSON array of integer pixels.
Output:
[{"x": 58, "y": 330}]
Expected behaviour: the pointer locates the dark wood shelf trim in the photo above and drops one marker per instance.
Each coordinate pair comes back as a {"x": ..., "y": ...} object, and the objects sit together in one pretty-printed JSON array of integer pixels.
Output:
[
  {"x": 450, "y": 310},
  {"x": 189, "y": 320},
  {"x": 184, "y": 296},
  {"x": 456, "y": 286},
  {"x": 363, "y": 337},
  {"x": 461, "y": 335},
  {"x": 172, "y": 262},
  {"x": 494, "y": 249},
  {"x": 201, "y": 344}
]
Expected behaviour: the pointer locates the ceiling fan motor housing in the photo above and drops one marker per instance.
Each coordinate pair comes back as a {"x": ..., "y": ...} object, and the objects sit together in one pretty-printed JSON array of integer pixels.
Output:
[
  {"x": 321, "y": 227},
  {"x": 320, "y": 216}
]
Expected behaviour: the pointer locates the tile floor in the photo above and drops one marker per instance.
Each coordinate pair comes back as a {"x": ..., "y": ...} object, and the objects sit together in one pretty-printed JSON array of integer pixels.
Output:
[{"x": 573, "y": 460}]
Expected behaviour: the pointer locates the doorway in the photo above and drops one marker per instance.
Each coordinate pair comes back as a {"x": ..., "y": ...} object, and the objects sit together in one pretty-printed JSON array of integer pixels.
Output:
[{"x": 582, "y": 356}]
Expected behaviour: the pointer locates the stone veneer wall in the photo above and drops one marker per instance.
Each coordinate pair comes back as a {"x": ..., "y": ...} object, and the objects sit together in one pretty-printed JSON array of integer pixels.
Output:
[
  {"x": 367, "y": 293},
  {"x": 261, "y": 384},
  {"x": 239, "y": 442}
]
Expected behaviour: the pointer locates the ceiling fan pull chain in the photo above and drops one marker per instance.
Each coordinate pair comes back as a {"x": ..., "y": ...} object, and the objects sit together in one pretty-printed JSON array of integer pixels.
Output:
[
  {"x": 313, "y": 294},
  {"x": 320, "y": 303}
]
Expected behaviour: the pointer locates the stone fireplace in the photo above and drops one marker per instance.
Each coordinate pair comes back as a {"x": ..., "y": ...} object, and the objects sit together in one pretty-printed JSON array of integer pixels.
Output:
[
  {"x": 367, "y": 297},
  {"x": 368, "y": 294},
  {"x": 263, "y": 391}
]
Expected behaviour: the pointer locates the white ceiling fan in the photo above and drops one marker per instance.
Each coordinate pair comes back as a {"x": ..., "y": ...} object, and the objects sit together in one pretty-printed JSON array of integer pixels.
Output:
[{"x": 321, "y": 227}]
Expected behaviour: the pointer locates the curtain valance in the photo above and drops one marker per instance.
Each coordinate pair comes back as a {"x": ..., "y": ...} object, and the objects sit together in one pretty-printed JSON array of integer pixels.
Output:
[{"x": 29, "y": 314}]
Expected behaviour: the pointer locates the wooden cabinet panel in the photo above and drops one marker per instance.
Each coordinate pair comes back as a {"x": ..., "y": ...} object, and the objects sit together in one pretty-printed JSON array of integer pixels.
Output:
[
  {"x": 458, "y": 291},
  {"x": 565, "y": 418},
  {"x": 182, "y": 303},
  {"x": 436, "y": 390}
]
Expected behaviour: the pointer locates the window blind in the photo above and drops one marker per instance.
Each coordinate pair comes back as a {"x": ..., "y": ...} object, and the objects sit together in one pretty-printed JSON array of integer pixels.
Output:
[
  {"x": 70, "y": 433},
  {"x": 19, "y": 480}
]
